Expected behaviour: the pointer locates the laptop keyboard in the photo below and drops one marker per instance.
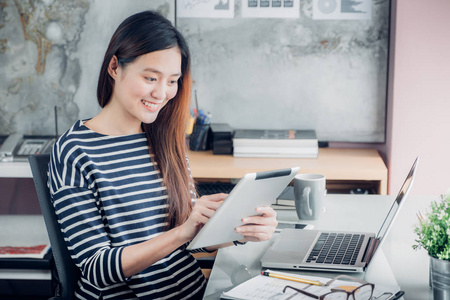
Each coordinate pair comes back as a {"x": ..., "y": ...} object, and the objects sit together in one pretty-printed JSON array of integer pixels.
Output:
[{"x": 336, "y": 248}]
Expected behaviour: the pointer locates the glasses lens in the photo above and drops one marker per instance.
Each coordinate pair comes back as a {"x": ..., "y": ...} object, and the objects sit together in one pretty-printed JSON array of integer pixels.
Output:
[
  {"x": 363, "y": 293},
  {"x": 338, "y": 295}
]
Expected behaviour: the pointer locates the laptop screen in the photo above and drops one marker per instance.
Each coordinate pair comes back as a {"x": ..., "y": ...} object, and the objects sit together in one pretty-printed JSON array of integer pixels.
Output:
[{"x": 398, "y": 201}]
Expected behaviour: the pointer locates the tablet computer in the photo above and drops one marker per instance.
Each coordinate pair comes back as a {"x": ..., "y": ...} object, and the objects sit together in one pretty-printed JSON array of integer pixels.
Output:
[{"x": 252, "y": 190}]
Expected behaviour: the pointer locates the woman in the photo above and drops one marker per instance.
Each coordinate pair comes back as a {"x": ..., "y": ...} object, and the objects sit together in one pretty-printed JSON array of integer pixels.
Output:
[{"x": 120, "y": 182}]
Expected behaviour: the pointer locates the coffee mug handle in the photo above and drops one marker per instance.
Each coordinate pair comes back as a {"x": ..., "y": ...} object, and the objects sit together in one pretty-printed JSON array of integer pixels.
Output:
[{"x": 306, "y": 193}]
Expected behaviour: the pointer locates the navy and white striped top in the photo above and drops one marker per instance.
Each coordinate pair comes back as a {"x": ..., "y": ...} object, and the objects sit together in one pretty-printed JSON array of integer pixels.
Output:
[{"x": 107, "y": 195}]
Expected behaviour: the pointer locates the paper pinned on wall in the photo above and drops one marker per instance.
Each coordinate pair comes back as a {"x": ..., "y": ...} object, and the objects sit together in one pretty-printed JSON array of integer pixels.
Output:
[
  {"x": 205, "y": 8},
  {"x": 270, "y": 8},
  {"x": 342, "y": 9}
]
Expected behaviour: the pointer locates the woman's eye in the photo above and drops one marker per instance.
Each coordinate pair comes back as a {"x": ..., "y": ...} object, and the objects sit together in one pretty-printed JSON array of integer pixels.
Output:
[
  {"x": 172, "y": 82},
  {"x": 150, "y": 79}
]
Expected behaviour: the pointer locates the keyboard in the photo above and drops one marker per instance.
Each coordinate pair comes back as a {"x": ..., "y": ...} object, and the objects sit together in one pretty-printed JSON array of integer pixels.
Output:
[
  {"x": 208, "y": 188},
  {"x": 336, "y": 248}
]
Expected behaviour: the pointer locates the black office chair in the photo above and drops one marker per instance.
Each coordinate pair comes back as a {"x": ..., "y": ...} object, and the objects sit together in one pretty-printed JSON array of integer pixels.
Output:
[{"x": 67, "y": 273}]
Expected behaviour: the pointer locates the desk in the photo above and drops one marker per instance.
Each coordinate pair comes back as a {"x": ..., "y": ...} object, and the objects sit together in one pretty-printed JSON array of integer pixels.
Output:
[
  {"x": 400, "y": 264},
  {"x": 15, "y": 170},
  {"x": 396, "y": 264},
  {"x": 344, "y": 169}
]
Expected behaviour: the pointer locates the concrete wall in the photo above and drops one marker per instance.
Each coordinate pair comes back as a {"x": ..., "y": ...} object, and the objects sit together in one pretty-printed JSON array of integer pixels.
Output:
[
  {"x": 50, "y": 55},
  {"x": 271, "y": 73}
]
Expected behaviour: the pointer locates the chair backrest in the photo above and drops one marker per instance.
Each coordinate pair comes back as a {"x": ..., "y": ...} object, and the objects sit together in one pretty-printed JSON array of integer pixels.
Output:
[{"x": 68, "y": 273}]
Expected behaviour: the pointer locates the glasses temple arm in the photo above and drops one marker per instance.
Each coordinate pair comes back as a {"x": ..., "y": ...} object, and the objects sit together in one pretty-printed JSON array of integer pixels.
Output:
[{"x": 301, "y": 291}]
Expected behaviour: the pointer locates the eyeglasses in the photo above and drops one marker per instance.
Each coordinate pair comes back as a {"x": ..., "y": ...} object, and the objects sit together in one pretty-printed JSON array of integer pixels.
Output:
[{"x": 362, "y": 292}]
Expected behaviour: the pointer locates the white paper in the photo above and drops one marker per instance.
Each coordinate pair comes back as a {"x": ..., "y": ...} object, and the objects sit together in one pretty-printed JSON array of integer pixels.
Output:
[
  {"x": 265, "y": 288},
  {"x": 205, "y": 8},
  {"x": 342, "y": 9},
  {"x": 270, "y": 8}
]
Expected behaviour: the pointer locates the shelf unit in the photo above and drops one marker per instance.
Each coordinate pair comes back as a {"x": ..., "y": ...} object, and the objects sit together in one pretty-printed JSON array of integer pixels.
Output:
[{"x": 344, "y": 169}]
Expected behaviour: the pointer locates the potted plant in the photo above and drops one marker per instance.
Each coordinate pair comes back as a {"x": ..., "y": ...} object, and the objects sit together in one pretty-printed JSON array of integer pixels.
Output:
[{"x": 433, "y": 233}]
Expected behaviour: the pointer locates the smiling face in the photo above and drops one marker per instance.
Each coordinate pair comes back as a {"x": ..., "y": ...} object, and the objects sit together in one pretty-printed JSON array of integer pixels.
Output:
[{"x": 143, "y": 87}]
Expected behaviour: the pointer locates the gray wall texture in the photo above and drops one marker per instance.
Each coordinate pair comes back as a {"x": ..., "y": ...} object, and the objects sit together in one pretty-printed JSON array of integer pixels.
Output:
[
  {"x": 327, "y": 75},
  {"x": 50, "y": 55}
]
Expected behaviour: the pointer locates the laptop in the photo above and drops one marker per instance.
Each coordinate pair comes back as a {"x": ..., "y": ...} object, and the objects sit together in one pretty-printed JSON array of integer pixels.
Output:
[{"x": 333, "y": 251}]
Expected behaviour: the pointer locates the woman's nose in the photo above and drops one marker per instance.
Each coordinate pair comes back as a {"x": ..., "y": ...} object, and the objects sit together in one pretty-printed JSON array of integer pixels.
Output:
[{"x": 159, "y": 91}]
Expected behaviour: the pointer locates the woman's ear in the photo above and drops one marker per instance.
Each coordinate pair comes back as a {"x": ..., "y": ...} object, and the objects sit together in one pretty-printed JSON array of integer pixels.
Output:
[{"x": 113, "y": 66}]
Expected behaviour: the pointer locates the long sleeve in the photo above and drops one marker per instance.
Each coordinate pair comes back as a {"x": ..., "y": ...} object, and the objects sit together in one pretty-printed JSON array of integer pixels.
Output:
[{"x": 86, "y": 238}]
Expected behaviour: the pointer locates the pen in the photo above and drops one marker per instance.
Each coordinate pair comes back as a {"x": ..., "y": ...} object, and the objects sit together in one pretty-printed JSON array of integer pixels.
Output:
[
  {"x": 196, "y": 101},
  {"x": 292, "y": 278},
  {"x": 190, "y": 126},
  {"x": 397, "y": 295}
]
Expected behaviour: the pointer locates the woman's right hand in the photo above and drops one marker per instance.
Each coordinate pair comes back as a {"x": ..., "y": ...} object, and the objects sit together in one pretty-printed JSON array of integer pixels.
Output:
[
  {"x": 203, "y": 209},
  {"x": 137, "y": 257}
]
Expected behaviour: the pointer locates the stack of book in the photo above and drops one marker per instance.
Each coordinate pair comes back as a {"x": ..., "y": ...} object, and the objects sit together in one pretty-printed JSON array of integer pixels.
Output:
[
  {"x": 286, "y": 200},
  {"x": 275, "y": 143}
]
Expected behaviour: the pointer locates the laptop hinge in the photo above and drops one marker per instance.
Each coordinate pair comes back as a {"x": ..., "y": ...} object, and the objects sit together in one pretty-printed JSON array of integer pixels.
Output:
[{"x": 370, "y": 249}]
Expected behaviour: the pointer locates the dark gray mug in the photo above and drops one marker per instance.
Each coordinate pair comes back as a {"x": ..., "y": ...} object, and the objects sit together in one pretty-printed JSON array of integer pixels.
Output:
[{"x": 309, "y": 191}]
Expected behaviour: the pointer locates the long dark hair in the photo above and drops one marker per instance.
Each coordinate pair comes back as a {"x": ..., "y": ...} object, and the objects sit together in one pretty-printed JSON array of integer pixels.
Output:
[{"x": 137, "y": 35}]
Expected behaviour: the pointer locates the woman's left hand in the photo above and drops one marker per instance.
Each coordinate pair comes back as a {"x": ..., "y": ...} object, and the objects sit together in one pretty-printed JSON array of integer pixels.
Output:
[{"x": 260, "y": 228}]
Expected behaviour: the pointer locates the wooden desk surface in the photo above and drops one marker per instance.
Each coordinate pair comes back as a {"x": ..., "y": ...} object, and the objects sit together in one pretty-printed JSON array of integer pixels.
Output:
[{"x": 335, "y": 164}]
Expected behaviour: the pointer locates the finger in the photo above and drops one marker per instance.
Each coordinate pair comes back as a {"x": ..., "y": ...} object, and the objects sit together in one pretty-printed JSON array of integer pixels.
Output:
[
  {"x": 267, "y": 217},
  {"x": 261, "y": 220},
  {"x": 256, "y": 235},
  {"x": 215, "y": 197},
  {"x": 198, "y": 220},
  {"x": 212, "y": 201},
  {"x": 207, "y": 204},
  {"x": 201, "y": 220},
  {"x": 201, "y": 216},
  {"x": 204, "y": 211},
  {"x": 251, "y": 230},
  {"x": 267, "y": 211}
]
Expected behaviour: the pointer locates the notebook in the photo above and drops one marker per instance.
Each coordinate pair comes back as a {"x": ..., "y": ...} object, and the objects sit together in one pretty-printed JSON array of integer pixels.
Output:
[{"x": 334, "y": 251}]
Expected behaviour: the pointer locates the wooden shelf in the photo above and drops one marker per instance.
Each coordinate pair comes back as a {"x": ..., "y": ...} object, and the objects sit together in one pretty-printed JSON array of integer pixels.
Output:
[{"x": 348, "y": 167}]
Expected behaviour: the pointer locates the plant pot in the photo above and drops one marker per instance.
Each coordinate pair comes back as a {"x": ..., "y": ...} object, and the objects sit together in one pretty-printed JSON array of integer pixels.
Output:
[{"x": 440, "y": 278}]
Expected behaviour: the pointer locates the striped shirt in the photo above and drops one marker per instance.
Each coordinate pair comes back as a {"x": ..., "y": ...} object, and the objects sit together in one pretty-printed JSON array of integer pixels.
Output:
[{"x": 108, "y": 194}]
